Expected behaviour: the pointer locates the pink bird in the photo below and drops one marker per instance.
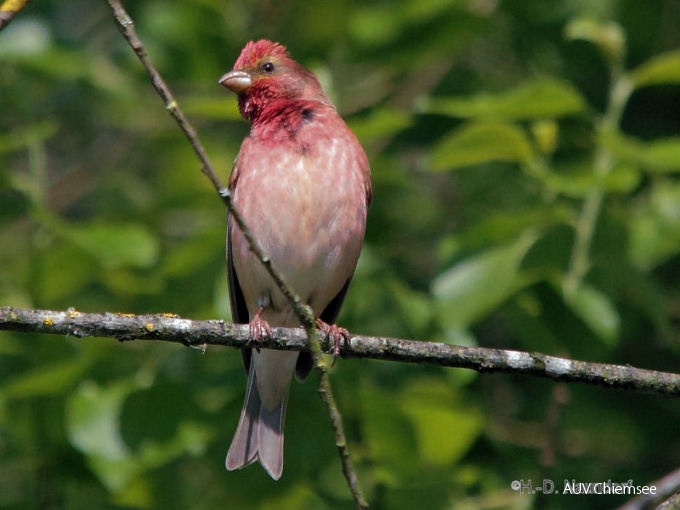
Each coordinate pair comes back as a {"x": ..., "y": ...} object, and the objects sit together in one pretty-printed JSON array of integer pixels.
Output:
[{"x": 301, "y": 180}]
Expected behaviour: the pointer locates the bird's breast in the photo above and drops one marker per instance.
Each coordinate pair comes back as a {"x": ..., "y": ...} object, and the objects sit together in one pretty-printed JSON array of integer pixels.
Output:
[{"x": 305, "y": 203}]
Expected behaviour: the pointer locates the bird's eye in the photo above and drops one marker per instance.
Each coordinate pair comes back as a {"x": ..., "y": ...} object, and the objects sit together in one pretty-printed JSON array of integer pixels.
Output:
[{"x": 268, "y": 67}]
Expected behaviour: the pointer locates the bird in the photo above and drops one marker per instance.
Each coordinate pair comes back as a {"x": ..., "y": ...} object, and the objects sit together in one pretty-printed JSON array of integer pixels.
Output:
[{"x": 301, "y": 181}]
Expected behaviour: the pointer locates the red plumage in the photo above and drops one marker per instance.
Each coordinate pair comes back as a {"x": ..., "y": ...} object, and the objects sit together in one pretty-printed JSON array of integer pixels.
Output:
[
  {"x": 253, "y": 51},
  {"x": 302, "y": 183}
]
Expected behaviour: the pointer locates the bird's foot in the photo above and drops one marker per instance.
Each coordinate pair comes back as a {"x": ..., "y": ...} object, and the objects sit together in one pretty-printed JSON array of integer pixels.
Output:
[
  {"x": 258, "y": 328},
  {"x": 335, "y": 333}
]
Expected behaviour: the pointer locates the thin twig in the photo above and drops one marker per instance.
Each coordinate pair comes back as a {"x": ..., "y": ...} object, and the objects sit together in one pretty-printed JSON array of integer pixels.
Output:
[
  {"x": 9, "y": 9},
  {"x": 302, "y": 310},
  {"x": 603, "y": 163},
  {"x": 171, "y": 328}
]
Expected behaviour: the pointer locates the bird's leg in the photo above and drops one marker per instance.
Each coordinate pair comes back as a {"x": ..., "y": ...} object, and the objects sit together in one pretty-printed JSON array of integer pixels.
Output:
[
  {"x": 335, "y": 333},
  {"x": 258, "y": 327}
]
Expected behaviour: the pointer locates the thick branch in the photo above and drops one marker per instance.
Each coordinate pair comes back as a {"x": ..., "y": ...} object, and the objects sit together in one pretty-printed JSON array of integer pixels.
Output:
[{"x": 172, "y": 328}]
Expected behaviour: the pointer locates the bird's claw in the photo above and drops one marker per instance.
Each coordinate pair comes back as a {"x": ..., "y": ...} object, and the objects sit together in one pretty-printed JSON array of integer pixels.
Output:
[
  {"x": 335, "y": 333},
  {"x": 258, "y": 328}
]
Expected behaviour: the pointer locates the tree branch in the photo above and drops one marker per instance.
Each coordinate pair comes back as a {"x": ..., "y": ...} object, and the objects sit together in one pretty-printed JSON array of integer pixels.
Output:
[
  {"x": 171, "y": 328},
  {"x": 667, "y": 488}
]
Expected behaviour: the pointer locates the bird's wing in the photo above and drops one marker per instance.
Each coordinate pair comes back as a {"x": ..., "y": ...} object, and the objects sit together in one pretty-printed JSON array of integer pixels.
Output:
[{"x": 237, "y": 302}]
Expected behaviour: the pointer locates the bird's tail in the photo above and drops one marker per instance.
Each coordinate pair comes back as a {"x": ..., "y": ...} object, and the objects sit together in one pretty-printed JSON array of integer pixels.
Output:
[{"x": 259, "y": 435}]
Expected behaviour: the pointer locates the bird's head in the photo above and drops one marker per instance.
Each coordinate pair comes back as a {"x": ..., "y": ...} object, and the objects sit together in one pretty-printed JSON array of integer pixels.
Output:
[{"x": 265, "y": 75}]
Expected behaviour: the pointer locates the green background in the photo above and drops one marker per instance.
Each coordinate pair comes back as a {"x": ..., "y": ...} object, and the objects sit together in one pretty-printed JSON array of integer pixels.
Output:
[{"x": 525, "y": 158}]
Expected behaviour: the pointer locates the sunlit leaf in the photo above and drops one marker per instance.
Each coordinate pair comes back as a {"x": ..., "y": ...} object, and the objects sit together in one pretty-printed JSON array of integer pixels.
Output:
[
  {"x": 654, "y": 226},
  {"x": 415, "y": 308},
  {"x": 136, "y": 494},
  {"x": 375, "y": 24},
  {"x": 22, "y": 137},
  {"x": 301, "y": 496},
  {"x": 536, "y": 99},
  {"x": 608, "y": 36},
  {"x": 476, "y": 285},
  {"x": 92, "y": 422},
  {"x": 660, "y": 69},
  {"x": 582, "y": 179},
  {"x": 116, "y": 245},
  {"x": 445, "y": 428},
  {"x": 660, "y": 155},
  {"x": 25, "y": 38},
  {"x": 382, "y": 122},
  {"x": 45, "y": 380},
  {"x": 212, "y": 108},
  {"x": 474, "y": 144},
  {"x": 62, "y": 277},
  {"x": 59, "y": 63},
  {"x": 595, "y": 309},
  {"x": 184, "y": 259}
]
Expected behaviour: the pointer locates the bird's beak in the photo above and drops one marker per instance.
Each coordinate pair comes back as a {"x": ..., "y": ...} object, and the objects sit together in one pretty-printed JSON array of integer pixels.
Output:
[{"x": 236, "y": 81}]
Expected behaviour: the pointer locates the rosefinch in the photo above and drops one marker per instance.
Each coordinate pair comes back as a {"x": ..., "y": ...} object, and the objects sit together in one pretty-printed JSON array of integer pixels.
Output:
[{"x": 302, "y": 183}]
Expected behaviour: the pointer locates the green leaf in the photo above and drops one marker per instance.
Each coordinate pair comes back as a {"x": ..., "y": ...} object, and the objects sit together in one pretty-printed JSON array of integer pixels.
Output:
[
  {"x": 303, "y": 496},
  {"x": 45, "y": 380},
  {"x": 661, "y": 69},
  {"x": 387, "y": 433},
  {"x": 189, "y": 437},
  {"x": 475, "y": 144},
  {"x": 607, "y": 36},
  {"x": 116, "y": 245},
  {"x": 597, "y": 311},
  {"x": 381, "y": 122},
  {"x": 581, "y": 180},
  {"x": 654, "y": 226},
  {"x": 212, "y": 108},
  {"x": 414, "y": 307},
  {"x": 63, "y": 278},
  {"x": 26, "y": 135},
  {"x": 536, "y": 99},
  {"x": 375, "y": 24},
  {"x": 60, "y": 63},
  {"x": 25, "y": 37},
  {"x": 661, "y": 155},
  {"x": 92, "y": 423},
  {"x": 475, "y": 286},
  {"x": 445, "y": 429}
]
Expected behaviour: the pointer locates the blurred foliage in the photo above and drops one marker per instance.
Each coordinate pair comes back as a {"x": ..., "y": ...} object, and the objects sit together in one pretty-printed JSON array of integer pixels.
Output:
[{"x": 525, "y": 158}]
